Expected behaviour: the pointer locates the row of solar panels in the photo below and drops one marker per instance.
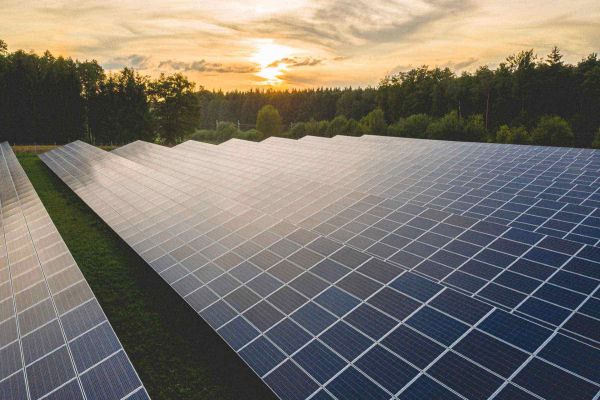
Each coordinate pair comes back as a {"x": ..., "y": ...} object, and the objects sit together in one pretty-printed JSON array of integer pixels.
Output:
[
  {"x": 371, "y": 268},
  {"x": 55, "y": 341}
]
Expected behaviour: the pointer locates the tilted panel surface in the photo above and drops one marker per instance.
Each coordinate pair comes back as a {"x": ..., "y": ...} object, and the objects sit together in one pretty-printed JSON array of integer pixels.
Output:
[
  {"x": 553, "y": 190},
  {"x": 315, "y": 318},
  {"x": 55, "y": 341},
  {"x": 469, "y": 259}
]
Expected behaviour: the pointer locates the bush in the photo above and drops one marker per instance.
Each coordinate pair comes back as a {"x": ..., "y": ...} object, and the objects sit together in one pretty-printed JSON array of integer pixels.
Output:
[
  {"x": 337, "y": 126},
  {"x": 226, "y": 130},
  {"x": 323, "y": 128},
  {"x": 502, "y": 134},
  {"x": 204, "y": 135},
  {"x": 416, "y": 125},
  {"x": 396, "y": 129},
  {"x": 268, "y": 121},
  {"x": 311, "y": 127},
  {"x": 554, "y": 131},
  {"x": 596, "y": 142},
  {"x": 474, "y": 129},
  {"x": 519, "y": 135},
  {"x": 449, "y": 127},
  {"x": 374, "y": 123},
  {"x": 251, "y": 134},
  {"x": 298, "y": 130},
  {"x": 413, "y": 126},
  {"x": 514, "y": 135},
  {"x": 354, "y": 128}
]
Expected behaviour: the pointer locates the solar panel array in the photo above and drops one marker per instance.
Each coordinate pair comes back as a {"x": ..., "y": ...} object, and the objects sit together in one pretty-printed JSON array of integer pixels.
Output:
[
  {"x": 371, "y": 268},
  {"x": 55, "y": 341}
]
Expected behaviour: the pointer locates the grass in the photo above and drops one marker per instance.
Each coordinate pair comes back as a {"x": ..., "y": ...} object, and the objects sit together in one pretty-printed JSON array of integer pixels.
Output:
[
  {"x": 177, "y": 355},
  {"x": 42, "y": 148}
]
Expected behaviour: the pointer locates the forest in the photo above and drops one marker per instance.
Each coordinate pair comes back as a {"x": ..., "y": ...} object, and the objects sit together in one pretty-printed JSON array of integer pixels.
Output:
[{"x": 525, "y": 99}]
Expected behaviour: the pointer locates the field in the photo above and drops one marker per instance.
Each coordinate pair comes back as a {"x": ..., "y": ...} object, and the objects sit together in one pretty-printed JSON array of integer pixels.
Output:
[{"x": 177, "y": 355}]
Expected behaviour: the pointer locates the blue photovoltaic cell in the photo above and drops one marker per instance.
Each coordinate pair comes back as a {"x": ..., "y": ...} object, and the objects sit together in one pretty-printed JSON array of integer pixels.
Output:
[
  {"x": 560, "y": 296},
  {"x": 584, "y": 326},
  {"x": 413, "y": 347},
  {"x": 370, "y": 267},
  {"x": 289, "y": 382},
  {"x": 370, "y": 321},
  {"x": 464, "y": 308},
  {"x": 394, "y": 303},
  {"x": 319, "y": 361},
  {"x": 346, "y": 340},
  {"x": 573, "y": 356},
  {"x": 390, "y": 371},
  {"x": 550, "y": 382},
  {"x": 351, "y": 384},
  {"x": 426, "y": 388},
  {"x": 591, "y": 308},
  {"x": 238, "y": 333},
  {"x": 491, "y": 353},
  {"x": 111, "y": 379},
  {"x": 480, "y": 385},
  {"x": 415, "y": 286},
  {"x": 314, "y": 318},
  {"x": 437, "y": 325},
  {"x": 511, "y": 392},
  {"x": 516, "y": 331},
  {"x": 337, "y": 301},
  {"x": 262, "y": 356},
  {"x": 544, "y": 311},
  {"x": 502, "y": 295},
  {"x": 289, "y": 336}
]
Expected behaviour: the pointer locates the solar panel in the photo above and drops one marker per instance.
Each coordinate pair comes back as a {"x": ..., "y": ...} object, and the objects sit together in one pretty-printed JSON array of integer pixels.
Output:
[
  {"x": 331, "y": 285},
  {"x": 521, "y": 188},
  {"x": 55, "y": 341},
  {"x": 467, "y": 250}
]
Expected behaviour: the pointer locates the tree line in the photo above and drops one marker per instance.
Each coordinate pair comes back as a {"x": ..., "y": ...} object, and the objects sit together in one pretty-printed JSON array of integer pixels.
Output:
[
  {"x": 526, "y": 99},
  {"x": 47, "y": 99},
  {"x": 549, "y": 130},
  {"x": 520, "y": 101}
]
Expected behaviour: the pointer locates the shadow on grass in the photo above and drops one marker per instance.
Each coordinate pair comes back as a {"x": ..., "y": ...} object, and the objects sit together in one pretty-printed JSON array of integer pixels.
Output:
[{"x": 177, "y": 355}]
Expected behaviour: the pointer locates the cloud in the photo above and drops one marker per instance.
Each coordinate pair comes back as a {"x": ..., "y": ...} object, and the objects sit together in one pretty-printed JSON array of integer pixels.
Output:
[
  {"x": 346, "y": 26},
  {"x": 459, "y": 65},
  {"x": 292, "y": 62},
  {"x": 132, "y": 61},
  {"x": 375, "y": 37},
  {"x": 400, "y": 68},
  {"x": 203, "y": 66},
  {"x": 73, "y": 9},
  {"x": 577, "y": 33},
  {"x": 455, "y": 66}
]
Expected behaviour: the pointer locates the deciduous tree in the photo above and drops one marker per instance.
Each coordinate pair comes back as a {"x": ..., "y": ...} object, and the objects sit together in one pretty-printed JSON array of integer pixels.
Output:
[
  {"x": 268, "y": 121},
  {"x": 175, "y": 107}
]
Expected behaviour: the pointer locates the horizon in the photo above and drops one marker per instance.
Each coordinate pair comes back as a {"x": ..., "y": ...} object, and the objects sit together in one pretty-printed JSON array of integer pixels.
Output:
[{"x": 267, "y": 45}]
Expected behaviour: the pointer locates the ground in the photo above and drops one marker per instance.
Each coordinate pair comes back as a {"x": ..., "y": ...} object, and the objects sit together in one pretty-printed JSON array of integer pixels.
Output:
[
  {"x": 177, "y": 355},
  {"x": 42, "y": 148}
]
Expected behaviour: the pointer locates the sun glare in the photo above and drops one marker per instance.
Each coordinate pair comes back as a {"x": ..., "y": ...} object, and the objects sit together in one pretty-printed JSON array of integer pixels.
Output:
[{"x": 267, "y": 54}]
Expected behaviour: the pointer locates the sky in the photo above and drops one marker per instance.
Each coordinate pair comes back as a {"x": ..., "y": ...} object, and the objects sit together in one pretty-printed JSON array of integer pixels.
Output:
[{"x": 242, "y": 44}]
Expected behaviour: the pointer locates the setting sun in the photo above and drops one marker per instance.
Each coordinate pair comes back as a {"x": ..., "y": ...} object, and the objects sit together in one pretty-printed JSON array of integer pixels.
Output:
[{"x": 270, "y": 57}]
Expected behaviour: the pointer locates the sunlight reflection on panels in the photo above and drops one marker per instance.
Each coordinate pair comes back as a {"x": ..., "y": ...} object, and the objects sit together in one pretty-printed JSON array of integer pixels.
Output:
[{"x": 331, "y": 268}]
